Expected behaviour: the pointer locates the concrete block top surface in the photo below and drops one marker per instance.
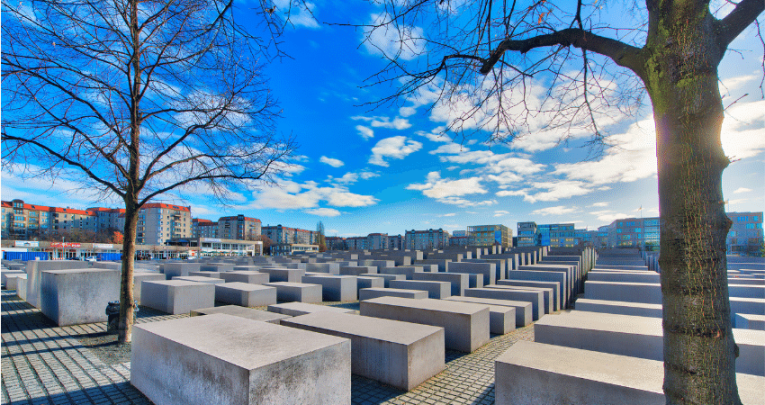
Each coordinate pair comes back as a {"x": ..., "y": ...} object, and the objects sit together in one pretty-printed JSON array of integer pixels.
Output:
[
  {"x": 74, "y": 271},
  {"x": 623, "y": 284},
  {"x": 387, "y": 330},
  {"x": 641, "y": 325},
  {"x": 288, "y": 284},
  {"x": 614, "y": 369},
  {"x": 244, "y": 343},
  {"x": 243, "y": 286},
  {"x": 242, "y": 312},
  {"x": 489, "y": 301},
  {"x": 618, "y": 303},
  {"x": 431, "y": 304},
  {"x": 173, "y": 283},
  {"x": 200, "y": 279}
]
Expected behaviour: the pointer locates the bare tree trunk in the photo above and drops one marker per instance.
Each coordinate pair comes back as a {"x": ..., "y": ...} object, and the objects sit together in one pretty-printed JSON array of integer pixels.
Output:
[
  {"x": 127, "y": 302},
  {"x": 699, "y": 350}
]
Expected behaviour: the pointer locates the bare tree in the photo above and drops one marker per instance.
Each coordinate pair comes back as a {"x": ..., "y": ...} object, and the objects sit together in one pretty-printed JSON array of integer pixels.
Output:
[
  {"x": 320, "y": 238},
  {"x": 487, "y": 57},
  {"x": 137, "y": 98}
]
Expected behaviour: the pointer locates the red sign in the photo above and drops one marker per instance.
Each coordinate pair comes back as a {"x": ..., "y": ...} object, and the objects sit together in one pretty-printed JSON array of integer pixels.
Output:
[{"x": 67, "y": 244}]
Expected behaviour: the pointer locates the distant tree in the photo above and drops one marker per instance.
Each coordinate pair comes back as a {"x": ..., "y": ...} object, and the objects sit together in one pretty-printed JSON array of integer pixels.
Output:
[
  {"x": 267, "y": 242},
  {"x": 134, "y": 99},
  {"x": 320, "y": 238},
  {"x": 118, "y": 237},
  {"x": 482, "y": 60}
]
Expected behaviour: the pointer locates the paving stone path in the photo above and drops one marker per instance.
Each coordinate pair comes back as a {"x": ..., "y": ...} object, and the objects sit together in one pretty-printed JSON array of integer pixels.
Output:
[{"x": 46, "y": 364}]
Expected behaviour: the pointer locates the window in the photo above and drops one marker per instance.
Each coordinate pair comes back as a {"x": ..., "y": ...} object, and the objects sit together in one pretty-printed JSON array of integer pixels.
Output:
[{"x": 741, "y": 219}]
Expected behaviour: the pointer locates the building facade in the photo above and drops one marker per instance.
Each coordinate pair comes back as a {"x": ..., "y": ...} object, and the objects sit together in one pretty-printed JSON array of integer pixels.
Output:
[
  {"x": 427, "y": 239},
  {"x": 489, "y": 235},
  {"x": 527, "y": 234},
  {"x": 159, "y": 223},
  {"x": 746, "y": 234}
]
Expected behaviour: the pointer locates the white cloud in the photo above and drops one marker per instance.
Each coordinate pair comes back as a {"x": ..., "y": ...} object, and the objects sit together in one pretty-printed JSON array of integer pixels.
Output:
[
  {"x": 600, "y": 204},
  {"x": 437, "y": 134},
  {"x": 557, "y": 190},
  {"x": 611, "y": 217},
  {"x": 291, "y": 195},
  {"x": 742, "y": 190},
  {"x": 451, "y": 214},
  {"x": 368, "y": 175},
  {"x": 324, "y": 212},
  {"x": 509, "y": 193},
  {"x": 365, "y": 132},
  {"x": 438, "y": 188},
  {"x": 407, "y": 111},
  {"x": 743, "y": 130},
  {"x": 299, "y": 14},
  {"x": 397, "y": 147},
  {"x": 332, "y": 162},
  {"x": 461, "y": 202},
  {"x": 404, "y": 42},
  {"x": 500, "y": 213},
  {"x": 557, "y": 210},
  {"x": 348, "y": 178},
  {"x": 384, "y": 122},
  {"x": 505, "y": 178},
  {"x": 448, "y": 148}
]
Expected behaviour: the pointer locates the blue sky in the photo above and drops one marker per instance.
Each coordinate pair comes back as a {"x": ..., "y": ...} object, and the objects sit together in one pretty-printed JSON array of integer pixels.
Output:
[{"x": 363, "y": 170}]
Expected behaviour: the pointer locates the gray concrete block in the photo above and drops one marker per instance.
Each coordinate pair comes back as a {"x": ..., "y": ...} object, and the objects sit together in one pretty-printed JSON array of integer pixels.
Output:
[
  {"x": 370, "y": 293},
  {"x": 400, "y": 354},
  {"x": 300, "y": 308},
  {"x": 335, "y": 287},
  {"x": 466, "y": 325},
  {"x": 241, "y": 276},
  {"x": 139, "y": 278},
  {"x": 536, "y": 298},
  {"x": 177, "y": 297},
  {"x": 211, "y": 274},
  {"x": 33, "y": 269},
  {"x": 329, "y": 268},
  {"x": 387, "y": 278},
  {"x": 357, "y": 270},
  {"x": 407, "y": 271},
  {"x": 180, "y": 269},
  {"x": 488, "y": 270},
  {"x": 619, "y": 307},
  {"x": 200, "y": 279},
  {"x": 648, "y": 293},
  {"x": 749, "y": 321},
  {"x": 547, "y": 294},
  {"x": 635, "y": 336},
  {"x": 368, "y": 282},
  {"x": 746, "y": 290},
  {"x": 459, "y": 281},
  {"x": 252, "y": 363},
  {"x": 21, "y": 287},
  {"x": 740, "y": 305},
  {"x": 556, "y": 289},
  {"x": 523, "y": 313},
  {"x": 217, "y": 267},
  {"x": 70, "y": 297},
  {"x": 245, "y": 294},
  {"x": 624, "y": 277},
  {"x": 299, "y": 292},
  {"x": 10, "y": 273},
  {"x": 547, "y": 276},
  {"x": 11, "y": 280},
  {"x": 436, "y": 289},
  {"x": 242, "y": 312},
  {"x": 283, "y": 274}
]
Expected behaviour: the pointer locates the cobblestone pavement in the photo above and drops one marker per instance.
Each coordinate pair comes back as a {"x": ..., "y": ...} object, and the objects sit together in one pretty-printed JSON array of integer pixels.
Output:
[{"x": 46, "y": 364}]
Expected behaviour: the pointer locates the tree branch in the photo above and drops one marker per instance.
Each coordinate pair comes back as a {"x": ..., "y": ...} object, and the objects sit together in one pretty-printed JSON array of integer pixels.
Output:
[
  {"x": 734, "y": 23},
  {"x": 624, "y": 55}
]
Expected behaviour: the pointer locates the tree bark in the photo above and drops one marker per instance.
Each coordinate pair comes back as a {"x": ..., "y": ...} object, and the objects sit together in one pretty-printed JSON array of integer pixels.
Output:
[
  {"x": 681, "y": 78},
  {"x": 127, "y": 301}
]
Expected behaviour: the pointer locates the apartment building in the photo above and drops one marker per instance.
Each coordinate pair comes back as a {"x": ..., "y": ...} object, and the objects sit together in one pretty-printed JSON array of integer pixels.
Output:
[
  {"x": 21, "y": 220},
  {"x": 159, "y": 223},
  {"x": 203, "y": 228},
  {"x": 489, "y": 235},
  {"x": 746, "y": 233},
  {"x": 335, "y": 243},
  {"x": 527, "y": 234},
  {"x": 357, "y": 243},
  {"x": 396, "y": 242},
  {"x": 426, "y": 239},
  {"x": 239, "y": 228},
  {"x": 283, "y": 234}
]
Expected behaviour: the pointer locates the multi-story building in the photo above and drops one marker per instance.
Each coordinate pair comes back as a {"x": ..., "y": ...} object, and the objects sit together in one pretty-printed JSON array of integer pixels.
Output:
[
  {"x": 427, "y": 239},
  {"x": 21, "y": 220},
  {"x": 459, "y": 233},
  {"x": 377, "y": 241},
  {"x": 203, "y": 228},
  {"x": 160, "y": 222},
  {"x": 527, "y": 234},
  {"x": 239, "y": 228},
  {"x": 357, "y": 243},
  {"x": 634, "y": 232},
  {"x": 746, "y": 234},
  {"x": 459, "y": 240},
  {"x": 107, "y": 218},
  {"x": 335, "y": 243},
  {"x": 488, "y": 235},
  {"x": 283, "y": 234},
  {"x": 396, "y": 242}
]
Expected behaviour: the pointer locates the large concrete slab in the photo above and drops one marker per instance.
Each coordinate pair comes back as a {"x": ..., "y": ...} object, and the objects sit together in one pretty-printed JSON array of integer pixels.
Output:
[
  {"x": 619, "y": 307},
  {"x": 335, "y": 287},
  {"x": 69, "y": 297},
  {"x": 436, "y": 289},
  {"x": 242, "y": 312},
  {"x": 245, "y": 294},
  {"x": 180, "y": 269},
  {"x": 532, "y": 373},
  {"x": 466, "y": 325},
  {"x": 459, "y": 281},
  {"x": 368, "y": 282},
  {"x": 300, "y": 292},
  {"x": 12, "y": 273},
  {"x": 407, "y": 271},
  {"x": 200, "y": 279},
  {"x": 357, "y": 270},
  {"x": 329, "y": 268},
  {"x": 283, "y": 274},
  {"x": 33, "y": 269},
  {"x": 387, "y": 278},
  {"x": 400, "y": 354},
  {"x": 648, "y": 293},
  {"x": 547, "y": 294},
  {"x": 536, "y": 298},
  {"x": 11, "y": 280},
  {"x": 635, "y": 336},
  {"x": 624, "y": 276},
  {"x": 556, "y": 289},
  {"x": 223, "y": 359},
  {"x": 177, "y": 297},
  {"x": 242, "y": 276},
  {"x": 370, "y": 293},
  {"x": 523, "y": 313},
  {"x": 544, "y": 276},
  {"x": 488, "y": 270},
  {"x": 749, "y": 321},
  {"x": 300, "y": 308}
]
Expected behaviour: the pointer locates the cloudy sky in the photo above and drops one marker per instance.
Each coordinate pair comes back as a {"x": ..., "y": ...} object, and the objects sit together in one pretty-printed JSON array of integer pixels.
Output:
[{"x": 389, "y": 169}]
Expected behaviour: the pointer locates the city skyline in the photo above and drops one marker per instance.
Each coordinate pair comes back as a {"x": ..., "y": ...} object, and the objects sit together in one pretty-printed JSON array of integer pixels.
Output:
[{"x": 390, "y": 169}]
